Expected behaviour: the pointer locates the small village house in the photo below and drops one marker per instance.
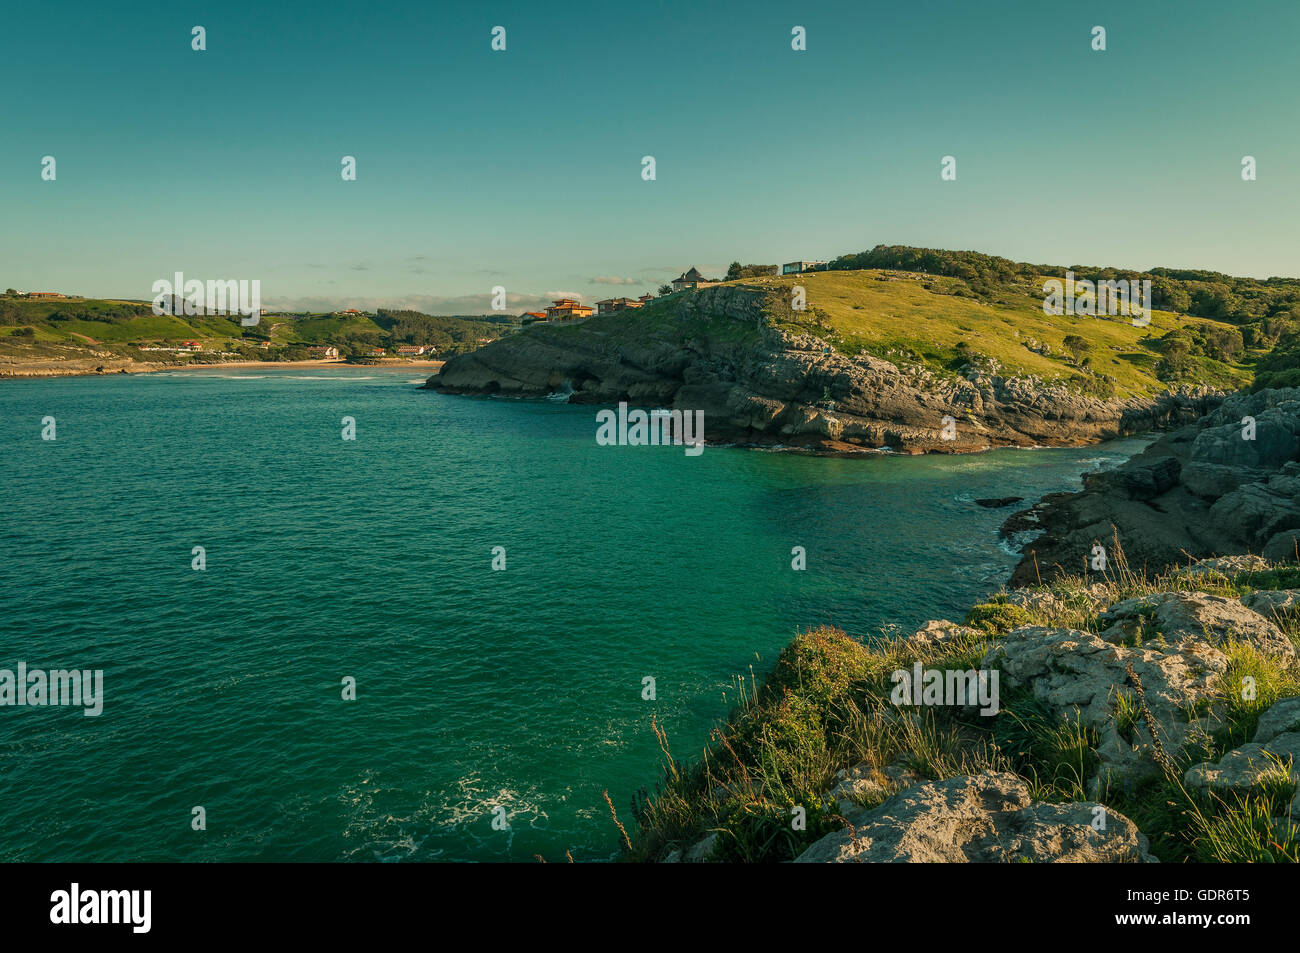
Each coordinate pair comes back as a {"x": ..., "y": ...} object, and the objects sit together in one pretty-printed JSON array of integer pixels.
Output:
[
  {"x": 410, "y": 350},
  {"x": 324, "y": 352},
  {"x": 567, "y": 309},
  {"x": 532, "y": 317},
  {"x": 795, "y": 267},
  {"x": 45, "y": 294},
  {"x": 691, "y": 279},
  {"x": 617, "y": 304}
]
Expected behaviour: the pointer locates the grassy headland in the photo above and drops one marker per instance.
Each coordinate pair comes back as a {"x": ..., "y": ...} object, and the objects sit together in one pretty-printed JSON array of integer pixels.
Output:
[{"x": 826, "y": 710}]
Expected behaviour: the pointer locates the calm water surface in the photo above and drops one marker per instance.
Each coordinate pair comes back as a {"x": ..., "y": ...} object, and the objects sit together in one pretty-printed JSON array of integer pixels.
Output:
[{"x": 372, "y": 559}]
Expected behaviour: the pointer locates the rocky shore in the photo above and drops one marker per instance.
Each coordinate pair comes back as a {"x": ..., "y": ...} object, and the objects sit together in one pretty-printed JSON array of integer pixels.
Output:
[
  {"x": 760, "y": 383},
  {"x": 1148, "y": 711},
  {"x": 1225, "y": 484},
  {"x": 1138, "y": 720}
]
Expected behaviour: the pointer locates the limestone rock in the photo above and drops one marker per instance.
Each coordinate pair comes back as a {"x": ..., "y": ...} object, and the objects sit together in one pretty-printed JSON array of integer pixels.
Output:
[
  {"x": 1250, "y": 767},
  {"x": 938, "y": 632},
  {"x": 865, "y": 782},
  {"x": 1274, "y": 603},
  {"x": 1080, "y": 676},
  {"x": 1231, "y": 495},
  {"x": 1179, "y": 616},
  {"x": 1047, "y": 601},
  {"x": 697, "y": 853},
  {"x": 1282, "y": 717},
  {"x": 1227, "y": 565},
  {"x": 983, "y": 818}
]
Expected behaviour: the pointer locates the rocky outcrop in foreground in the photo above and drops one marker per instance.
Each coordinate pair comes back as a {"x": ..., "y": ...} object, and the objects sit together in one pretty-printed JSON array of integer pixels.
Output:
[
  {"x": 1133, "y": 720},
  {"x": 1267, "y": 765},
  {"x": 1229, "y": 483},
  {"x": 718, "y": 351},
  {"x": 984, "y": 818}
]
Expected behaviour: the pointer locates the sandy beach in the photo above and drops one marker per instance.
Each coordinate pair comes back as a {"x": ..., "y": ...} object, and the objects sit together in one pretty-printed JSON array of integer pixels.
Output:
[{"x": 80, "y": 367}]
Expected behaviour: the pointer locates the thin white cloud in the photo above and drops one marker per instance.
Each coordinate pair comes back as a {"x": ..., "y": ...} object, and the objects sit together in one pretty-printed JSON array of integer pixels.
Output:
[{"x": 428, "y": 304}]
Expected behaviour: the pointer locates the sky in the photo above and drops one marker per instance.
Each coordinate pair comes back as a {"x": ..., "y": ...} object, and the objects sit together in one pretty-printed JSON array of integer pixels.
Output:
[{"x": 523, "y": 168}]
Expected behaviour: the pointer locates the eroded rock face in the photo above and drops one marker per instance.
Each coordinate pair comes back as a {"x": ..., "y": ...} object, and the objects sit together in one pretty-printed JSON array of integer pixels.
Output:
[
  {"x": 1081, "y": 677},
  {"x": 983, "y": 818},
  {"x": 757, "y": 383},
  {"x": 1177, "y": 616},
  {"x": 1216, "y": 487}
]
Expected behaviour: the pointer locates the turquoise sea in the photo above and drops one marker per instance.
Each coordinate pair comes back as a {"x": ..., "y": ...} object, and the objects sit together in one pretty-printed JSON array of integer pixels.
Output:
[{"x": 372, "y": 559}]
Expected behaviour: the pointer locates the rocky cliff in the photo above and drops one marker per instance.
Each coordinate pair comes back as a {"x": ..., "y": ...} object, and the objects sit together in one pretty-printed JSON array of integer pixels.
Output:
[
  {"x": 1132, "y": 720},
  {"x": 1227, "y": 484},
  {"x": 761, "y": 380}
]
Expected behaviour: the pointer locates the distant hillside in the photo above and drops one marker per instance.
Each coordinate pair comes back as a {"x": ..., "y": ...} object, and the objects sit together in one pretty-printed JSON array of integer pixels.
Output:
[
  {"x": 879, "y": 355},
  {"x": 58, "y": 328}
]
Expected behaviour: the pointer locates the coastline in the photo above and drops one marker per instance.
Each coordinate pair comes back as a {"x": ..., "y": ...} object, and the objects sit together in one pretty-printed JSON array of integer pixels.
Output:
[
  {"x": 37, "y": 370},
  {"x": 1120, "y": 683}
]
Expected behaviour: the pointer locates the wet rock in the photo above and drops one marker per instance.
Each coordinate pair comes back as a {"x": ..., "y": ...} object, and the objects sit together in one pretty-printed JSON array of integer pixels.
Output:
[{"x": 1231, "y": 494}]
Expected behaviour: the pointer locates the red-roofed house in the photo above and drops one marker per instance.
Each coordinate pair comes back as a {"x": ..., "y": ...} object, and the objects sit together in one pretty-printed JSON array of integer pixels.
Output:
[{"x": 566, "y": 309}]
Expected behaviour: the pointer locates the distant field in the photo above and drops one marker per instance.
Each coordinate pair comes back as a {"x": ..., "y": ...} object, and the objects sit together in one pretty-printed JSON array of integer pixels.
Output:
[{"x": 85, "y": 322}]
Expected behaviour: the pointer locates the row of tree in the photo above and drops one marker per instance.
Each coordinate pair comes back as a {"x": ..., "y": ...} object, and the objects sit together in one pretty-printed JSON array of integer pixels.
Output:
[{"x": 1268, "y": 308}]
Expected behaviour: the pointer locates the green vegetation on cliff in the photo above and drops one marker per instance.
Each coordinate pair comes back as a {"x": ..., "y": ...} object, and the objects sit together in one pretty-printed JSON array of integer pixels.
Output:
[{"x": 922, "y": 319}]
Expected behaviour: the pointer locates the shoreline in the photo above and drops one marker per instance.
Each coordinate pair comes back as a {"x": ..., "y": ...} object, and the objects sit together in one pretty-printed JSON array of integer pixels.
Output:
[{"x": 36, "y": 372}]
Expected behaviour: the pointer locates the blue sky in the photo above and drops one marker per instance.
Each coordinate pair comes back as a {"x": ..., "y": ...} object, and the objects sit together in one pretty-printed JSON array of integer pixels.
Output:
[{"x": 523, "y": 168}]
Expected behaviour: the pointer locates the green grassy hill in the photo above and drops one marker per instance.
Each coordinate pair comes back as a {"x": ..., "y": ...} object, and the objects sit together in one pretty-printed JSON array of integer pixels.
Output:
[
  {"x": 924, "y": 319},
  {"x": 936, "y": 322}
]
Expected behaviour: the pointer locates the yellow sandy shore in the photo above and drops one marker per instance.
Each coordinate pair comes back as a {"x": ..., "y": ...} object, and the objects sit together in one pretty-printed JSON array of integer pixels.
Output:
[{"x": 74, "y": 367}]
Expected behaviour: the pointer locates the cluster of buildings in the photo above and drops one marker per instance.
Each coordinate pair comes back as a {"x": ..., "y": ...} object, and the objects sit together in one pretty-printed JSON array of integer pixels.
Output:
[
  {"x": 319, "y": 352},
  {"x": 328, "y": 352},
  {"x": 570, "y": 309},
  {"x": 41, "y": 294},
  {"x": 185, "y": 347}
]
